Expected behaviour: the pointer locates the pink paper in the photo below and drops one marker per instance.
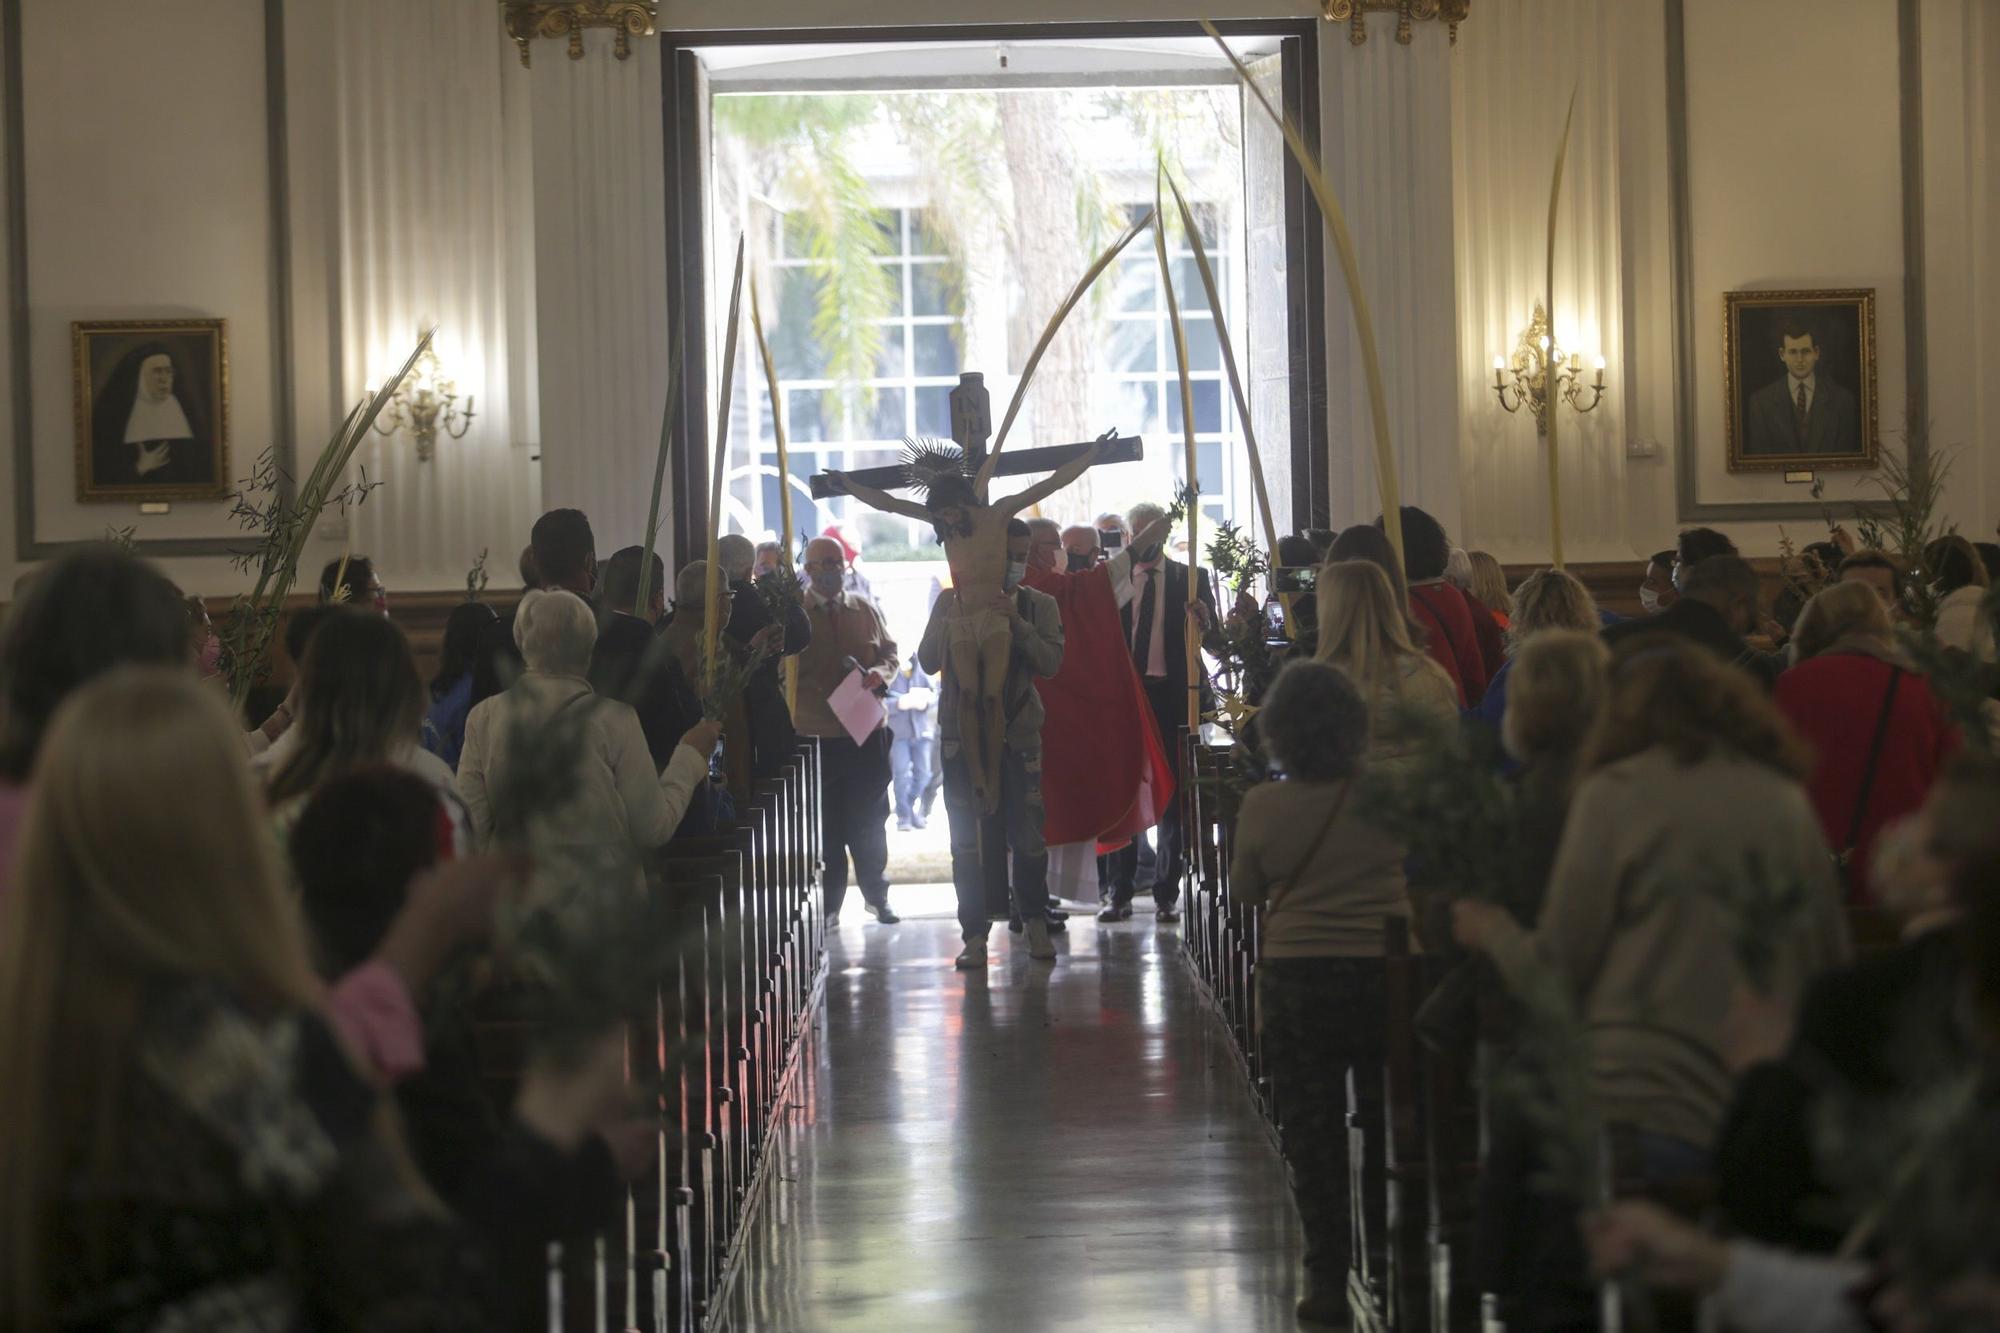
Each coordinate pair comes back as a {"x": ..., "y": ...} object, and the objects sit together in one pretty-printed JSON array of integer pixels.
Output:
[{"x": 855, "y": 704}]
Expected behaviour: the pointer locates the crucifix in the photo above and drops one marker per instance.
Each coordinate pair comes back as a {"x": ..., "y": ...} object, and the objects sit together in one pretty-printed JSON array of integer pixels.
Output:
[{"x": 953, "y": 481}]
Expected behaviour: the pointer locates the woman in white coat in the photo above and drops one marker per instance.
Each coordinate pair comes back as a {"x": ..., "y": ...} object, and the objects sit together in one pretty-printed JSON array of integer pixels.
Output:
[{"x": 615, "y": 800}]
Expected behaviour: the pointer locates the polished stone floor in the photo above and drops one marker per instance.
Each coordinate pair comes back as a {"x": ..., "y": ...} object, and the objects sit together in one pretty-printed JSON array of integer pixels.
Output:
[{"x": 1034, "y": 1147}]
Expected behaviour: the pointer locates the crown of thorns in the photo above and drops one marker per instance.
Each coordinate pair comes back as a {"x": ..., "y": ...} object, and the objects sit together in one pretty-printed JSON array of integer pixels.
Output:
[{"x": 931, "y": 466}]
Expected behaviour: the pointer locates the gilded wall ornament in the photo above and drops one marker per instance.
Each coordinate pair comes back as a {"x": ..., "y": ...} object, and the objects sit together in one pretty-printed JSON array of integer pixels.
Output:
[
  {"x": 1408, "y": 12},
  {"x": 528, "y": 19}
]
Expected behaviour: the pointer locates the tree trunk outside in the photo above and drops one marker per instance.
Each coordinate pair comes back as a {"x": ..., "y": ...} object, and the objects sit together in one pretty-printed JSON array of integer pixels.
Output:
[{"x": 1048, "y": 247}]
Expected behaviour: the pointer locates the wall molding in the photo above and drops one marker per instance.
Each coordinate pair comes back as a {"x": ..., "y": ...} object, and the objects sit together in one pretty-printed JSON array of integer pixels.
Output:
[
  {"x": 1910, "y": 94},
  {"x": 284, "y": 423}
]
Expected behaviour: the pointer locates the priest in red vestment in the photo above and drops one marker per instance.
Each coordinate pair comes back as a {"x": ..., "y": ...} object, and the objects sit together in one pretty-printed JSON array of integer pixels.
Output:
[{"x": 1105, "y": 775}]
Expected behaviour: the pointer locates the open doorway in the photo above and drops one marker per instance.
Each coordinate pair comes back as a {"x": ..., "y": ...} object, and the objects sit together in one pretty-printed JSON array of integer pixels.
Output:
[{"x": 916, "y": 205}]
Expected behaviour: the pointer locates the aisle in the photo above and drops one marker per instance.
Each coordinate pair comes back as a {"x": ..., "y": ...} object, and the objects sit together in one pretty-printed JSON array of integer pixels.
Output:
[{"x": 1032, "y": 1148}]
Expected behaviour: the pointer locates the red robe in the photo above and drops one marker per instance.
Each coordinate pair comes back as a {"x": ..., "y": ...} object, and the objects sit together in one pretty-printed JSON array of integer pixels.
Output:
[{"x": 1105, "y": 774}]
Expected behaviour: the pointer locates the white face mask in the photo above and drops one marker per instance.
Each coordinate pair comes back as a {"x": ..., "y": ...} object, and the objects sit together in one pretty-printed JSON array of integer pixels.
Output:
[
  {"x": 1015, "y": 573},
  {"x": 1650, "y": 600}
]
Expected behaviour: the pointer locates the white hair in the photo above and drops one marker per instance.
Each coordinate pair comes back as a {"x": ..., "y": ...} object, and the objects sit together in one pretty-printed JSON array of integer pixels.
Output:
[
  {"x": 691, "y": 588},
  {"x": 738, "y": 555},
  {"x": 1045, "y": 525},
  {"x": 1458, "y": 570},
  {"x": 555, "y": 632},
  {"x": 1144, "y": 515}
]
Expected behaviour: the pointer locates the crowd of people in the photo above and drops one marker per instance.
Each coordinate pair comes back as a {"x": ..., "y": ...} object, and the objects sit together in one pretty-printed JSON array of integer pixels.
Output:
[
  {"x": 218, "y": 944},
  {"x": 231, "y": 1098},
  {"x": 1751, "y": 897}
]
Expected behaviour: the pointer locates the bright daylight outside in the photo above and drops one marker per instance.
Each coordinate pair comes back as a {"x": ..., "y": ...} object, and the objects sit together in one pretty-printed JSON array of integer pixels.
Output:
[{"x": 901, "y": 238}]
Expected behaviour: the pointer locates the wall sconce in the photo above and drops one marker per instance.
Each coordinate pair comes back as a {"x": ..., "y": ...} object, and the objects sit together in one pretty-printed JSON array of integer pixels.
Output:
[
  {"x": 426, "y": 402},
  {"x": 1526, "y": 380}
]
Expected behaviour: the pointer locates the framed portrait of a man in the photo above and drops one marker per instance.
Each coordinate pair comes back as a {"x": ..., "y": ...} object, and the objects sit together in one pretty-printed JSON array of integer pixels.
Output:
[
  {"x": 1799, "y": 370},
  {"x": 152, "y": 410}
]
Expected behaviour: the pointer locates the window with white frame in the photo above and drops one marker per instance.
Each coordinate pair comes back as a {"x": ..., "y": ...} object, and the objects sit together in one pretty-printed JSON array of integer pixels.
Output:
[
  {"x": 862, "y": 425},
  {"x": 1137, "y": 380}
]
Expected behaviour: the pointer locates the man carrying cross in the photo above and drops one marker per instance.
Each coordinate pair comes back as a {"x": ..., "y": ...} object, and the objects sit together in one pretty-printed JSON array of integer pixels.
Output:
[{"x": 1013, "y": 816}]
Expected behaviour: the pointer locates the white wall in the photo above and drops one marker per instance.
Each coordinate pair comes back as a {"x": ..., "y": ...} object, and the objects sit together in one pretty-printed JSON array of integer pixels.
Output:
[
  {"x": 431, "y": 177},
  {"x": 148, "y": 195},
  {"x": 1795, "y": 181},
  {"x": 1795, "y": 174},
  {"x": 149, "y": 189}
]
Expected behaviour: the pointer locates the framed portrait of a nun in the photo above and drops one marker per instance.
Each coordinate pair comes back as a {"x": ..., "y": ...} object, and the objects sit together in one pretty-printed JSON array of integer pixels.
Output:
[{"x": 152, "y": 410}]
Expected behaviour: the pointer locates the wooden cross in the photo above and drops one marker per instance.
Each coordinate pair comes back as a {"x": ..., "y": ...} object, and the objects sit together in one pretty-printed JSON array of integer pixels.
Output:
[
  {"x": 974, "y": 532},
  {"x": 971, "y": 424}
]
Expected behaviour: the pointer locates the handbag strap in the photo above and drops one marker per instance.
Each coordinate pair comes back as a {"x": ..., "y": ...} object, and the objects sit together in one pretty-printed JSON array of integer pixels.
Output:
[
  {"x": 1874, "y": 757},
  {"x": 1339, "y": 803}
]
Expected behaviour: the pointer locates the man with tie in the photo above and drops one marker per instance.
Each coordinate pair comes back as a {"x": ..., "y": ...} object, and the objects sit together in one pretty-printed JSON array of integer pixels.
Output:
[
  {"x": 847, "y": 633},
  {"x": 1155, "y": 615},
  {"x": 1802, "y": 413}
]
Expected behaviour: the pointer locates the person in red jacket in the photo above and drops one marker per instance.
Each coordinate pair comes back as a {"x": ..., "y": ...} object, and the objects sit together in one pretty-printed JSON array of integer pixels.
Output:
[
  {"x": 1879, "y": 734},
  {"x": 1437, "y": 606},
  {"x": 1487, "y": 629}
]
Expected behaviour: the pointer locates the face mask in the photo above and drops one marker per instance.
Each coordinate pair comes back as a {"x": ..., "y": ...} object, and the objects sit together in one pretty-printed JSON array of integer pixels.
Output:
[
  {"x": 1015, "y": 573},
  {"x": 1650, "y": 600},
  {"x": 211, "y": 656},
  {"x": 827, "y": 583},
  {"x": 1079, "y": 564},
  {"x": 1145, "y": 555}
]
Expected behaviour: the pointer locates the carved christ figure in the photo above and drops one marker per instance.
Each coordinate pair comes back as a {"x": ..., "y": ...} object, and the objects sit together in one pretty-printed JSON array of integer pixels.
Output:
[{"x": 974, "y": 534}]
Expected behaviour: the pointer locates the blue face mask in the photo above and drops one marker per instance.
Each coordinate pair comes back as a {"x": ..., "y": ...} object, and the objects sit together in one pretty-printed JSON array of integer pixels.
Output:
[{"x": 1016, "y": 571}]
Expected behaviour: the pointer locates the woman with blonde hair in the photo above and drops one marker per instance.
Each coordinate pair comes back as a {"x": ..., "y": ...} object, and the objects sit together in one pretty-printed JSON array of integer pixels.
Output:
[
  {"x": 1489, "y": 585},
  {"x": 1364, "y": 629},
  {"x": 187, "y": 1142},
  {"x": 1878, "y": 733},
  {"x": 1560, "y": 680},
  {"x": 1548, "y": 599}
]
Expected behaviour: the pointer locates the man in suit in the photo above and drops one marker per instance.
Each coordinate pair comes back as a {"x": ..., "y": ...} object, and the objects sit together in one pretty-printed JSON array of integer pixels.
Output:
[
  {"x": 1155, "y": 616},
  {"x": 1802, "y": 412}
]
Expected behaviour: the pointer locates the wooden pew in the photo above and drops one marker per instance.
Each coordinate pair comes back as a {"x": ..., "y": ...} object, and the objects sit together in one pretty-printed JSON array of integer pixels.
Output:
[{"x": 722, "y": 1026}]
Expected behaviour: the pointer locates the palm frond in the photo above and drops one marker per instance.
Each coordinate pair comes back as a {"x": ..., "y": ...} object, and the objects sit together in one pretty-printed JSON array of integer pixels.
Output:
[
  {"x": 1386, "y": 479},
  {"x": 283, "y": 526},
  {"x": 475, "y": 577},
  {"x": 667, "y": 415},
  {"x": 1912, "y": 482}
]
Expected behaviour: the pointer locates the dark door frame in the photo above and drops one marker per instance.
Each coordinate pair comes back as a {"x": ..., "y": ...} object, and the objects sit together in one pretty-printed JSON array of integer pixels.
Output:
[{"x": 685, "y": 124}]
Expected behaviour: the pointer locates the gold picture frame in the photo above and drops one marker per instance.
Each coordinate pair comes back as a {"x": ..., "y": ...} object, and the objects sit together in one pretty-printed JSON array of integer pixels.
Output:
[
  {"x": 152, "y": 409},
  {"x": 1799, "y": 380}
]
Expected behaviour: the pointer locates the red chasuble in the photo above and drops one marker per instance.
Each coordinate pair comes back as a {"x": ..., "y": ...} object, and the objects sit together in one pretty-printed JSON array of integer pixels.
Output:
[{"x": 1105, "y": 775}]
